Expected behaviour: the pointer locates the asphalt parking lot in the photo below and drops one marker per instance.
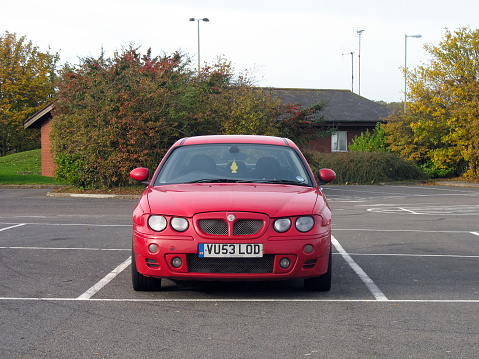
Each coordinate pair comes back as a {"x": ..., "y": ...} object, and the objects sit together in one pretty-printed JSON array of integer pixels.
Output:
[{"x": 405, "y": 284}]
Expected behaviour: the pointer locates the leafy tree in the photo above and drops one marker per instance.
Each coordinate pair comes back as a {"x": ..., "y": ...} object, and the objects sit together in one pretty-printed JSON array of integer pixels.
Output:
[
  {"x": 303, "y": 124},
  {"x": 26, "y": 85},
  {"x": 440, "y": 130},
  {"x": 374, "y": 141},
  {"x": 116, "y": 114}
]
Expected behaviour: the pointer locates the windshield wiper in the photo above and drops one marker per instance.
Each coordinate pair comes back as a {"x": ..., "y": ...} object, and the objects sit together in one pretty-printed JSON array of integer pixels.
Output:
[
  {"x": 218, "y": 180},
  {"x": 281, "y": 181}
]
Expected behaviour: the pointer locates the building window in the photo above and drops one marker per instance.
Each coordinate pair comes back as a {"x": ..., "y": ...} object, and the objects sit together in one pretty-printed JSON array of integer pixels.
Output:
[{"x": 339, "y": 141}]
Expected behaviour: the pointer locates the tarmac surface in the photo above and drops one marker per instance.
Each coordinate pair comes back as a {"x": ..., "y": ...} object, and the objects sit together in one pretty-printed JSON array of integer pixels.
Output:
[{"x": 405, "y": 284}]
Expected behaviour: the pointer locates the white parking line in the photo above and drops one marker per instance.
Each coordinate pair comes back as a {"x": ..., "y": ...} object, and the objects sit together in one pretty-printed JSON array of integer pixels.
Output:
[
  {"x": 243, "y": 300},
  {"x": 68, "y": 249},
  {"x": 11, "y": 227},
  {"x": 475, "y": 233},
  {"x": 373, "y": 288},
  {"x": 107, "y": 279}
]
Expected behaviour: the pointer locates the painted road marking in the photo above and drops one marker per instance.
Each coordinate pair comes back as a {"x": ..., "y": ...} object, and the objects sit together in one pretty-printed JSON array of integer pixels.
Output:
[
  {"x": 11, "y": 227},
  {"x": 244, "y": 300},
  {"x": 373, "y": 288},
  {"x": 107, "y": 279}
]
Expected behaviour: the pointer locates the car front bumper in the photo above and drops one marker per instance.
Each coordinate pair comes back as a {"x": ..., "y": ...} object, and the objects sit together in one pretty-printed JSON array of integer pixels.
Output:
[{"x": 267, "y": 267}]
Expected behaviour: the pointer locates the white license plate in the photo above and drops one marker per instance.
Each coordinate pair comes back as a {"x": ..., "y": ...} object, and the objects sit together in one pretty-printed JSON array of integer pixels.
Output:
[{"x": 230, "y": 250}]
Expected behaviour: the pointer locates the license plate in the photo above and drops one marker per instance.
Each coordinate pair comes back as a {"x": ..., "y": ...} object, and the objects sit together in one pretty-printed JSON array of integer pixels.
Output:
[{"x": 230, "y": 250}]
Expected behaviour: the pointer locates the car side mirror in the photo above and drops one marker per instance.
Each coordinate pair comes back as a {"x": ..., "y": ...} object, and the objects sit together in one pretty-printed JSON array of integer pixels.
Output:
[
  {"x": 140, "y": 174},
  {"x": 326, "y": 175}
]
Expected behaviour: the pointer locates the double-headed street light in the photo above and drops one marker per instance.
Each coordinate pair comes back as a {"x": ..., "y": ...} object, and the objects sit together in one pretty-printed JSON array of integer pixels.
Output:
[
  {"x": 198, "y": 21},
  {"x": 417, "y": 36}
]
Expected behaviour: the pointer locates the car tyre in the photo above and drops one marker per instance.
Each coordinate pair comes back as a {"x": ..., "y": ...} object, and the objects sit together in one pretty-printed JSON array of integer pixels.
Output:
[
  {"x": 140, "y": 282},
  {"x": 321, "y": 283}
]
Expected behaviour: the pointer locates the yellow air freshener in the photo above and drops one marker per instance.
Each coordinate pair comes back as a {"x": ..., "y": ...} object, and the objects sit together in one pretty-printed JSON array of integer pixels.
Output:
[{"x": 234, "y": 167}]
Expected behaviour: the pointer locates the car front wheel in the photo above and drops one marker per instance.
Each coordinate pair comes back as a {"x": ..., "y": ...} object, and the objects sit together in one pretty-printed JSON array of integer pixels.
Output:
[
  {"x": 321, "y": 283},
  {"x": 140, "y": 282}
]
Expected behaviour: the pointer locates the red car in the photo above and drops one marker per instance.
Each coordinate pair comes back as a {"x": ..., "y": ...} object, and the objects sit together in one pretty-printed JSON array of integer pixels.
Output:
[{"x": 232, "y": 208}]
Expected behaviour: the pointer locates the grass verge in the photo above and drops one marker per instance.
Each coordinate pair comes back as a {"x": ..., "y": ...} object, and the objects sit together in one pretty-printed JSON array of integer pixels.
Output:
[{"x": 24, "y": 168}]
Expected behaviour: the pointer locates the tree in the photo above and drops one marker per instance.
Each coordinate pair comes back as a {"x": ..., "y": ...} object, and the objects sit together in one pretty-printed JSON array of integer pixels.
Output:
[
  {"x": 26, "y": 85},
  {"x": 440, "y": 128},
  {"x": 374, "y": 141},
  {"x": 115, "y": 114},
  {"x": 123, "y": 112}
]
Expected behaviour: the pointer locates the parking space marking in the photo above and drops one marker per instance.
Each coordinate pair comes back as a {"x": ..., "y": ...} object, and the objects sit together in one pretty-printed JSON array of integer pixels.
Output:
[
  {"x": 414, "y": 255},
  {"x": 68, "y": 249},
  {"x": 105, "y": 280},
  {"x": 471, "y": 210},
  {"x": 399, "y": 230},
  {"x": 373, "y": 288},
  {"x": 11, "y": 227},
  {"x": 239, "y": 300},
  {"x": 67, "y": 224},
  {"x": 475, "y": 233}
]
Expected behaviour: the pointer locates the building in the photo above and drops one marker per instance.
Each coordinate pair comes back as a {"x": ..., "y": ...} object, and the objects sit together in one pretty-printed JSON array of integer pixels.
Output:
[
  {"x": 42, "y": 120},
  {"x": 348, "y": 113}
]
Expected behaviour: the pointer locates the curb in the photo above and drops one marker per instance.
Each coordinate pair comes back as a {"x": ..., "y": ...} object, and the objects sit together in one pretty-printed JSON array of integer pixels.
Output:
[
  {"x": 456, "y": 184},
  {"x": 90, "y": 195}
]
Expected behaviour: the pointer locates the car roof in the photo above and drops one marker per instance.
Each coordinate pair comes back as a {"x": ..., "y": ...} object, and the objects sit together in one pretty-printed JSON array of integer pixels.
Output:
[{"x": 266, "y": 140}]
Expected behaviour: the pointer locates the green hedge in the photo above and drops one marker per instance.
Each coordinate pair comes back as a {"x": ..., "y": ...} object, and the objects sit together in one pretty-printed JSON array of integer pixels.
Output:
[{"x": 365, "y": 167}]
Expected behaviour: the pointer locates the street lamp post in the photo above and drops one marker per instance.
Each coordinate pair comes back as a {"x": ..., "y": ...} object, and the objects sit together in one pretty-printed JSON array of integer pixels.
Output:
[
  {"x": 198, "y": 21},
  {"x": 359, "y": 32},
  {"x": 352, "y": 69},
  {"x": 417, "y": 36}
]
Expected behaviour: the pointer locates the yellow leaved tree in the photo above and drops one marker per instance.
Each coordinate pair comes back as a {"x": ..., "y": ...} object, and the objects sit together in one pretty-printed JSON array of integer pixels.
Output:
[
  {"x": 440, "y": 128},
  {"x": 26, "y": 84}
]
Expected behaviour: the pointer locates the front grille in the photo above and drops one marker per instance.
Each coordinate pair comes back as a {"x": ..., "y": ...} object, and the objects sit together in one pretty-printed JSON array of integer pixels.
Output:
[
  {"x": 230, "y": 265},
  {"x": 242, "y": 227},
  {"x": 216, "y": 227},
  {"x": 247, "y": 227}
]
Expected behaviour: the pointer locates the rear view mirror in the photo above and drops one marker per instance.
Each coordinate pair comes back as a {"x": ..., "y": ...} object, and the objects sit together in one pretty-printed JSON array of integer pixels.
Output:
[
  {"x": 140, "y": 174},
  {"x": 326, "y": 175}
]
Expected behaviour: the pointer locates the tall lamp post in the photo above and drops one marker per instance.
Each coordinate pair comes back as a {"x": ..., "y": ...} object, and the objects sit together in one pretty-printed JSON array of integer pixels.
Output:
[
  {"x": 198, "y": 21},
  {"x": 352, "y": 69},
  {"x": 417, "y": 36},
  {"x": 359, "y": 32}
]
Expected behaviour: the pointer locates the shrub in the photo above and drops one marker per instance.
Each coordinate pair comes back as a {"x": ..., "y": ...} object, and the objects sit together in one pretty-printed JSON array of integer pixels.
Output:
[{"x": 365, "y": 167}]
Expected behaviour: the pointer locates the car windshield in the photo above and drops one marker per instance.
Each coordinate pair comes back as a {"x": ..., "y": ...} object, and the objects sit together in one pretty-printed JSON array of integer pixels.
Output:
[{"x": 234, "y": 163}]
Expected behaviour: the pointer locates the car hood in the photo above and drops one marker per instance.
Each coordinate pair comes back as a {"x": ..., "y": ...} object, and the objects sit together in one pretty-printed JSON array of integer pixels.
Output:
[{"x": 187, "y": 200}]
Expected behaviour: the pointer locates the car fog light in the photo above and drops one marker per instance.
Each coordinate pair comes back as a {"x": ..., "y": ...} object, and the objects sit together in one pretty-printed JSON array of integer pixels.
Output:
[
  {"x": 176, "y": 262},
  {"x": 153, "y": 248},
  {"x": 308, "y": 248},
  {"x": 284, "y": 263}
]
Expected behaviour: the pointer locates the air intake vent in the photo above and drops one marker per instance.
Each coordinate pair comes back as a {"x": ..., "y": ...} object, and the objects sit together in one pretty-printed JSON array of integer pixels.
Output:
[
  {"x": 215, "y": 227},
  {"x": 230, "y": 265},
  {"x": 247, "y": 227}
]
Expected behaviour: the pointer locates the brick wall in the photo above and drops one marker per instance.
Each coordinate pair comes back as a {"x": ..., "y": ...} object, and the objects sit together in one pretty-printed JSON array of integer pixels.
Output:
[{"x": 48, "y": 164}]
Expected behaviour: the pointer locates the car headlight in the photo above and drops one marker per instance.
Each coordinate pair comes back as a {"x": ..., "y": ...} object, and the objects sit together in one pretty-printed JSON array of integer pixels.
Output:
[
  {"x": 282, "y": 225},
  {"x": 304, "y": 224},
  {"x": 179, "y": 224},
  {"x": 157, "y": 223}
]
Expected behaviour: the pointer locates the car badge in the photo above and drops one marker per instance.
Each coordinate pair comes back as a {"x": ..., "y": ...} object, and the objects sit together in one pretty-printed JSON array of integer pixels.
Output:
[{"x": 230, "y": 217}]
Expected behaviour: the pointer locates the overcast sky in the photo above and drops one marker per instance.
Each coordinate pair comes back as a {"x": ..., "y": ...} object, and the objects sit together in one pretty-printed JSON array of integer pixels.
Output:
[{"x": 287, "y": 44}]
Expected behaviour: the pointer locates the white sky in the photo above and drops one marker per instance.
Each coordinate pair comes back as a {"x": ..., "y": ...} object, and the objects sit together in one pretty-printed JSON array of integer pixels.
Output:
[{"x": 288, "y": 44}]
